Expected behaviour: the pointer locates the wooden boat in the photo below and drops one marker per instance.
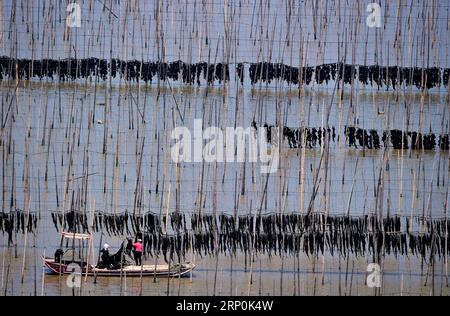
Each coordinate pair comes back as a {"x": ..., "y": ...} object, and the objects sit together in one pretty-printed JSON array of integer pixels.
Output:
[
  {"x": 71, "y": 265},
  {"x": 160, "y": 270}
]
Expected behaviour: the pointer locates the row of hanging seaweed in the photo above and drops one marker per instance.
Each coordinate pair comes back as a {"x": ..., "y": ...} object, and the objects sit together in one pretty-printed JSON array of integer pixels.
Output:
[
  {"x": 398, "y": 139},
  {"x": 181, "y": 233},
  {"x": 374, "y": 74},
  {"x": 366, "y": 138},
  {"x": 133, "y": 70},
  {"x": 190, "y": 73},
  {"x": 17, "y": 221}
]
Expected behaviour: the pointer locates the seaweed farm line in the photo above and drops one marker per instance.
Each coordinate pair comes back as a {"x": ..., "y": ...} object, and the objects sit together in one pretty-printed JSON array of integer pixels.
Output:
[{"x": 359, "y": 118}]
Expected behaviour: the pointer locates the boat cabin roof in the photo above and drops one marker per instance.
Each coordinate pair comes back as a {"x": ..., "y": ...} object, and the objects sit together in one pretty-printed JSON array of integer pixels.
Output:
[{"x": 70, "y": 235}]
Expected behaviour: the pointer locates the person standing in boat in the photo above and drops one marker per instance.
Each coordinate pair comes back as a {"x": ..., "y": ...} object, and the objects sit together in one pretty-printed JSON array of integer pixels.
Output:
[
  {"x": 138, "y": 252},
  {"x": 105, "y": 256},
  {"x": 129, "y": 246}
]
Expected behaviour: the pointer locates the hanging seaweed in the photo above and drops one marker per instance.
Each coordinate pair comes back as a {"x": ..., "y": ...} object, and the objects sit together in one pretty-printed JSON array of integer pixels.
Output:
[
  {"x": 18, "y": 221},
  {"x": 391, "y": 76},
  {"x": 273, "y": 233},
  {"x": 131, "y": 70}
]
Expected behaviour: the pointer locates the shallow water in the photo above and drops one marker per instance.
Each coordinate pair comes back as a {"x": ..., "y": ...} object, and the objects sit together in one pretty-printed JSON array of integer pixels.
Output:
[
  {"x": 269, "y": 277},
  {"x": 76, "y": 104},
  {"x": 112, "y": 127},
  {"x": 70, "y": 109}
]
